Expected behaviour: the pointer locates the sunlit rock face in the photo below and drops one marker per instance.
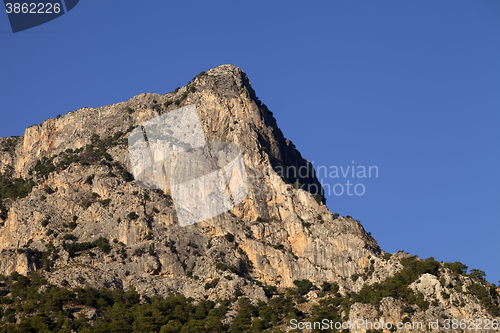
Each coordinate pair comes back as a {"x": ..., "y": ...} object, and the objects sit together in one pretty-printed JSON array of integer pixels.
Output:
[
  {"x": 281, "y": 233},
  {"x": 101, "y": 214}
]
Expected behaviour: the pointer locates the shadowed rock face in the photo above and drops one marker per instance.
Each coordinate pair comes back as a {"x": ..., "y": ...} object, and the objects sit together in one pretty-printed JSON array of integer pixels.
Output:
[{"x": 280, "y": 233}]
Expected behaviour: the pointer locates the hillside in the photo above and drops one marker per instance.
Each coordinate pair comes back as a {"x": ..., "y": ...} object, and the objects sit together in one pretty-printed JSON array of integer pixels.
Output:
[{"x": 92, "y": 240}]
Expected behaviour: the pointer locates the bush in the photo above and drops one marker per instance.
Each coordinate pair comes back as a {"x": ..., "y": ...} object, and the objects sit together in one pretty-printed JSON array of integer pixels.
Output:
[
  {"x": 303, "y": 286},
  {"x": 127, "y": 176},
  {"x": 318, "y": 198},
  {"x": 279, "y": 247},
  {"x": 221, "y": 266},
  {"x": 117, "y": 135},
  {"x": 477, "y": 274},
  {"x": 229, "y": 237},
  {"x": 331, "y": 287},
  {"x": 48, "y": 190},
  {"x": 457, "y": 267},
  {"x": 73, "y": 248},
  {"x": 133, "y": 216},
  {"x": 139, "y": 252},
  {"x": 69, "y": 237},
  {"x": 15, "y": 188},
  {"x": 212, "y": 284}
]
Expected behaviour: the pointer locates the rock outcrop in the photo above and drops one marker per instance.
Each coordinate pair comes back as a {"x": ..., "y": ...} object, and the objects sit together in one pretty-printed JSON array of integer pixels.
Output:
[{"x": 86, "y": 221}]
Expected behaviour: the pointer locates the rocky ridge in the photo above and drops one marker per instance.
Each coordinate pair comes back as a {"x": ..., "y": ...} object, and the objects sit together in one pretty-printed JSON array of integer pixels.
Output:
[{"x": 85, "y": 221}]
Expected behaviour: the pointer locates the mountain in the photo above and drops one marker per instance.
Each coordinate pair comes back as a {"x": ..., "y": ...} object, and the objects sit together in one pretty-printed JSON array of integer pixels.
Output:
[{"x": 74, "y": 218}]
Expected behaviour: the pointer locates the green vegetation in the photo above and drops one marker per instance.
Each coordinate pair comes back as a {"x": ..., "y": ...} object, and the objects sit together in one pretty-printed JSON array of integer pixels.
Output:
[
  {"x": 303, "y": 286},
  {"x": 9, "y": 145},
  {"x": 15, "y": 188},
  {"x": 93, "y": 153},
  {"x": 221, "y": 266},
  {"x": 56, "y": 310},
  {"x": 132, "y": 216},
  {"x": 229, "y": 237},
  {"x": 318, "y": 198},
  {"x": 73, "y": 248},
  {"x": 397, "y": 286},
  {"x": 484, "y": 297},
  {"x": 210, "y": 285}
]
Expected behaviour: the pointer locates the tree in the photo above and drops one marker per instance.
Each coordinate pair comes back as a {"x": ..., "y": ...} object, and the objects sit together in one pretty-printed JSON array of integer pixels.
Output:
[{"x": 477, "y": 274}]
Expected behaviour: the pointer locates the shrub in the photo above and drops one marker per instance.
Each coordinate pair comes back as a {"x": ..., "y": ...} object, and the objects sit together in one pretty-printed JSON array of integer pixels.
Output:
[
  {"x": 211, "y": 284},
  {"x": 229, "y": 237},
  {"x": 15, "y": 188},
  {"x": 86, "y": 204},
  {"x": 477, "y": 274},
  {"x": 457, "y": 267},
  {"x": 318, "y": 198},
  {"x": 127, "y": 176},
  {"x": 129, "y": 110},
  {"x": 117, "y": 135},
  {"x": 139, "y": 252},
  {"x": 73, "y": 248},
  {"x": 69, "y": 237},
  {"x": 48, "y": 190},
  {"x": 72, "y": 225},
  {"x": 303, "y": 286},
  {"x": 221, "y": 266},
  {"x": 89, "y": 179},
  {"x": 45, "y": 222},
  {"x": 279, "y": 247},
  {"x": 133, "y": 216}
]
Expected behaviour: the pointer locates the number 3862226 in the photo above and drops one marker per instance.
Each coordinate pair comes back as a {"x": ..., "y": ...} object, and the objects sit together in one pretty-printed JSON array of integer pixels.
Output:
[{"x": 32, "y": 8}]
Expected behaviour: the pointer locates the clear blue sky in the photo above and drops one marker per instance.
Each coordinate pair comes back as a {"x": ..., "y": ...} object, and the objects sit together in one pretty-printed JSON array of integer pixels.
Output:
[{"x": 412, "y": 87}]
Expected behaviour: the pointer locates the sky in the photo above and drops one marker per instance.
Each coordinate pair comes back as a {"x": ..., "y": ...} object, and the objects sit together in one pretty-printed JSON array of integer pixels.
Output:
[{"x": 410, "y": 87}]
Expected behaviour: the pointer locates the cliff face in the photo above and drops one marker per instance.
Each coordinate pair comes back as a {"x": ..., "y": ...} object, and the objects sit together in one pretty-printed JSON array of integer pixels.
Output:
[
  {"x": 85, "y": 199},
  {"x": 284, "y": 232}
]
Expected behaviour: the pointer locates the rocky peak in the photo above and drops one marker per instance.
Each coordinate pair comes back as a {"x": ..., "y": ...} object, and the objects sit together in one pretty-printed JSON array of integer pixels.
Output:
[{"x": 74, "y": 213}]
